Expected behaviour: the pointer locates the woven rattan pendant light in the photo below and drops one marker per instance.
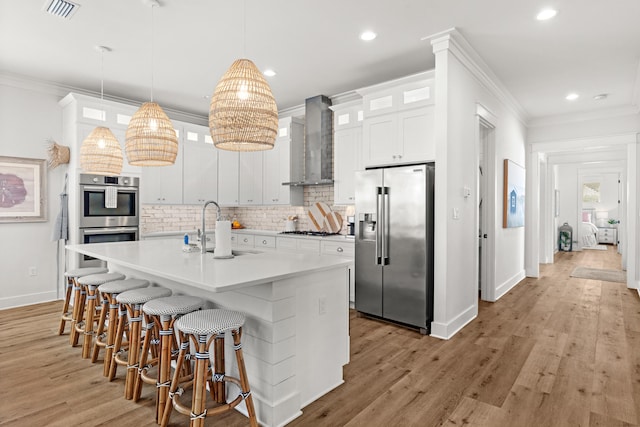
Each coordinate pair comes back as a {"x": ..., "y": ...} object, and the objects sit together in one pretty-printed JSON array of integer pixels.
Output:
[
  {"x": 151, "y": 139},
  {"x": 243, "y": 115},
  {"x": 100, "y": 152}
]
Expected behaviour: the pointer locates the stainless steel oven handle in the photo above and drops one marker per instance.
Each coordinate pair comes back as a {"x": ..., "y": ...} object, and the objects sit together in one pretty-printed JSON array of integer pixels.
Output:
[
  {"x": 103, "y": 188},
  {"x": 94, "y": 231}
]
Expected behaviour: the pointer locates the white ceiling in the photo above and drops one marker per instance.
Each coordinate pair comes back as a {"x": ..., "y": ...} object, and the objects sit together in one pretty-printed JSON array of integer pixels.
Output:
[{"x": 590, "y": 47}]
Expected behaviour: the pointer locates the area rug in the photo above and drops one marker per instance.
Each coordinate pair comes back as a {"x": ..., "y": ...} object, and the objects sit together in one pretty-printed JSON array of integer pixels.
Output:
[
  {"x": 596, "y": 247},
  {"x": 600, "y": 274}
]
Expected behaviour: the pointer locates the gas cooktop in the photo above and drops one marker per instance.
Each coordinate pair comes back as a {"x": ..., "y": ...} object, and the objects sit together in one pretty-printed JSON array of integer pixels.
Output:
[{"x": 310, "y": 233}]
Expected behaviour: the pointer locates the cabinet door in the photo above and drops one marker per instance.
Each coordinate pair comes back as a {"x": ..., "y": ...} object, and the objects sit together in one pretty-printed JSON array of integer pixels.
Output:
[
  {"x": 200, "y": 173},
  {"x": 346, "y": 145},
  {"x": 275, "y": 172},
  {"x": 127, "y": 169},
  {"x": 163, "y": 184},
  {"x": 380, "y": 137},
  {"x": 250, "y": 178},
  {"x": 416, "y": 134},
  {"x": 228, "y": 166}
]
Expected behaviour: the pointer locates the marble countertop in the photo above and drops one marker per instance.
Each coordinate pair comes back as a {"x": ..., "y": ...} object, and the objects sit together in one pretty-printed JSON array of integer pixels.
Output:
[{"x": 165, "y": 258}]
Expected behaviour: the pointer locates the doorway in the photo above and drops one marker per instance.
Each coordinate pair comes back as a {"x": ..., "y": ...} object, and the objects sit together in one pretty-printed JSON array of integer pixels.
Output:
[{"x": 486, "y": 205}]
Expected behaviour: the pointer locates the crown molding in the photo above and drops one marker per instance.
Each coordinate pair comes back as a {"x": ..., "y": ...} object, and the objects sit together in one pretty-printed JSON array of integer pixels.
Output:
[
  {"x": 607, "y": 113},
  {"x": 453, "y": 41}
]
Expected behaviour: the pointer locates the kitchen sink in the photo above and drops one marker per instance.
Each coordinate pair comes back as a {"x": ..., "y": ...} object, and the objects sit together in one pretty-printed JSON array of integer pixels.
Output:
[{"x": 236, "y": 252}]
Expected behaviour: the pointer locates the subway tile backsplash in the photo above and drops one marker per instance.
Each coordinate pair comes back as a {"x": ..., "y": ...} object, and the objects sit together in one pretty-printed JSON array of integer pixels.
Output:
[{"x": 157, "y": 218}]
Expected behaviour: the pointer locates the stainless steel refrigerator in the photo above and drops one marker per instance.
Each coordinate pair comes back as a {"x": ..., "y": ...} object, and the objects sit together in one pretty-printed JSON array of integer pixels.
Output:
[{"x": 394, "y": 244}]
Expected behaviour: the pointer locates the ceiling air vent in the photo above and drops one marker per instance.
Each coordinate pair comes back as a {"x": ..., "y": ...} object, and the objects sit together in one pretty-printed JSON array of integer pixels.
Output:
[{"x": 63, "y": 9}]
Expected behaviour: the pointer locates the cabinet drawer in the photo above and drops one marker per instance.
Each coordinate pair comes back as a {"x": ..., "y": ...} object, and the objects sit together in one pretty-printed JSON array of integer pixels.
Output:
[
  {"x": 346, "y": 249},
  {"x": 265, "y": 241},
  {"x": 245, "y": 240}
]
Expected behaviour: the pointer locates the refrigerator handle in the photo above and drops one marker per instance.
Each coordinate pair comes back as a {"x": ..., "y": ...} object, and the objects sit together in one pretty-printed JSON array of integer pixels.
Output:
[
  {"x": 379, "y": 231},
  {"x": 385, "y": 224}
]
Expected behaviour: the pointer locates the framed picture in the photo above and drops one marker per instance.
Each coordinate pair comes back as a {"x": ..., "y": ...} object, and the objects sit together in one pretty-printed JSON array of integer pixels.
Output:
[
  {"x": 23, "y": 189},
  {"x": 513, "y": 197}
]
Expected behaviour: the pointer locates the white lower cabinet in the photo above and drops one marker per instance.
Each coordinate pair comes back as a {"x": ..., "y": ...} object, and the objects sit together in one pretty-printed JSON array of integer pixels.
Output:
[{"x": 345, "y": 249}]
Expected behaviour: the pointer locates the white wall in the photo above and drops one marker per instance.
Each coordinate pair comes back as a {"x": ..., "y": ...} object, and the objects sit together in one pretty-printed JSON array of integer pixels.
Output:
[
  {"x": 458, "y": 93},
  {"x": 27, "y": 120}
]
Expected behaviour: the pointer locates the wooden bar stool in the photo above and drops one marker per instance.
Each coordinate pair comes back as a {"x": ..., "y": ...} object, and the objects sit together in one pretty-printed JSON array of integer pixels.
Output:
[
  {"x": 162, "y": 313},
  {"x": 132, "y": 301},
  {"x": 74, "y": 289},
  {"x": 86, "y": 321},
  {"x": 109, "y": 316},
  {"x": 202, "y": 327}
]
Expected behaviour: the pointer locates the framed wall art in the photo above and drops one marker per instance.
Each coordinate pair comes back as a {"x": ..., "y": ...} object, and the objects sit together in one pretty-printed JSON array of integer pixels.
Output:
[
  {"x": 513, "y": 197},
  {"x": 23, "y": 189}
]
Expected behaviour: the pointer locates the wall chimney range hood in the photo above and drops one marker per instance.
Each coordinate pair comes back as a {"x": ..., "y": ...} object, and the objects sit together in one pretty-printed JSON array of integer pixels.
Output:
[{"x": 318, "y": 143}]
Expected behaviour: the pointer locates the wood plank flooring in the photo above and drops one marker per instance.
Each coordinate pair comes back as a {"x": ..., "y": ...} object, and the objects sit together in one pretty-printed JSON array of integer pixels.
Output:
[{"x": 555, "y": 351}]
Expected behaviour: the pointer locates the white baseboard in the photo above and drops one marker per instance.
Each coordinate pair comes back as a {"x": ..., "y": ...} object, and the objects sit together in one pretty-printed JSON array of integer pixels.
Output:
[
  {"x": 505, "y": 287},
  {"x": 447, "y": 330},
  {"x": 22, "y": 300}
]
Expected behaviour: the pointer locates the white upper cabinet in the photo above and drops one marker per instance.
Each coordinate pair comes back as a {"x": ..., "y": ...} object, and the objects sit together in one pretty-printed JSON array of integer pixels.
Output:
[
  {"x": 200, "y": 161},
  {"x": 250, "y": 178},
  {"x": 282, "y": 164},
  {"x": 398, "y": 121},
  {"x": 228, "y": 169},
  {"x": 347, "y": 142},
  {"x": 163, "y": 184}
]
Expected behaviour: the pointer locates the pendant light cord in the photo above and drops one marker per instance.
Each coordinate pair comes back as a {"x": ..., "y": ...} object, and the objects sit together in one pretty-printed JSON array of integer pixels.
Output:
[
  {"x": 102, "y": 74},
  {"x": 244, "y": 28},
  {"x": 152, "y": 7}
]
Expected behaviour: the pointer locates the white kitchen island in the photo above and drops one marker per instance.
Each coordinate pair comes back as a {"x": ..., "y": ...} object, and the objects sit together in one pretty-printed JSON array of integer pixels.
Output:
[{"x": 296, "y": 336}]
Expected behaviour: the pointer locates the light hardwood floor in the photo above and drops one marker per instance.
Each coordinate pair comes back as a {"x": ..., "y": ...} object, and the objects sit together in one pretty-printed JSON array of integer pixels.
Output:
[{"x": 555, "y": 351}]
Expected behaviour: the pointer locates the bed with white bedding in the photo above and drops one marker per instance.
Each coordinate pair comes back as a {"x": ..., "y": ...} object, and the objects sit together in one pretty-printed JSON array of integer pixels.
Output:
[{"x": 588, "y": 230}]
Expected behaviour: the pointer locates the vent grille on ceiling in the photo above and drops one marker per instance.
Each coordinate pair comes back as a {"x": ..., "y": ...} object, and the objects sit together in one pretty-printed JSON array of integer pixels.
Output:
[{"x": 63, "y": 9}]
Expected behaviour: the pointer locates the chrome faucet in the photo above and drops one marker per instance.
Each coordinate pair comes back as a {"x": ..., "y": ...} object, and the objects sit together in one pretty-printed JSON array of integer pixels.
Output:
[{"x": 203, "y": 239}]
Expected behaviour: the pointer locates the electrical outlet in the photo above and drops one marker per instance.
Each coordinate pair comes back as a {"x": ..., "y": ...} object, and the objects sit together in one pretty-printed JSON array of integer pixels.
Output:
[
  {"x": 33, "y": 271},
  {"x": 322, "y": 306}
]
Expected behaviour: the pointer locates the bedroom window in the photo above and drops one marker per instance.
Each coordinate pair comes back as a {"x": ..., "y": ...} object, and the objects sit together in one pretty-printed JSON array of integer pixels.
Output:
[{"x": 591, "y": 192}]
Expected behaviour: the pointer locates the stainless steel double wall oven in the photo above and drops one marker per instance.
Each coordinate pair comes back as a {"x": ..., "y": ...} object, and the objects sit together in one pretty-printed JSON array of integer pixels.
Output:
[{"x": 109, "y": 211}]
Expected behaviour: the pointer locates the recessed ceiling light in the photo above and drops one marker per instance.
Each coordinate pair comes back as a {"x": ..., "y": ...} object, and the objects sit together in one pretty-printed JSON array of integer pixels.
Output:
[
  {"x": 600, "y": 97},
  {"x": 269, "y": 73},
  {"x": 572, "y": 97},
  {"x": 546, "y": 14},
  {"x": 368, "y": 36}
]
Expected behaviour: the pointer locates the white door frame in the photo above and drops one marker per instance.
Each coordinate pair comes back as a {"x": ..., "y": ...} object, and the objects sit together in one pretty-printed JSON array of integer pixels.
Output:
[{"x": 488, "y": 283}]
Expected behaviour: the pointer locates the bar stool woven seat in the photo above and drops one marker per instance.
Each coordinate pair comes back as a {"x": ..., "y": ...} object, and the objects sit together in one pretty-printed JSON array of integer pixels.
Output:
[
  {"x": 74, "y": 289},
  {"x": 109, "y": 292},
  {"x": 91, "y": 283},
  {"x": 201, "y": 328},
  {"x": 160, "y": 315},
  {"x": 132, "y": 300}
]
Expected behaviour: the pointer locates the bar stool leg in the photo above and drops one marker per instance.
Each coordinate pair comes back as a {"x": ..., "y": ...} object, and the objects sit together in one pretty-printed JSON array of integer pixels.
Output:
[
  {"x": 176, "y": 379},
  {"x": 117, "y": 346},
  {"x": 150, "y": 341},
  {"x": 66, "y": 314},
  {"x": 135, "y": 329},
  {"x": 79, "y": 298},
  {"x": 218, "y": 390},
  {"x": 198, "y": 413},
  {"x": 164, "y": 365},
  {"x": 100, "y": 341},
  {"x": 88, "y": 325},
  {"x": 112, "y": 328},
  {"x": 244, "y": 382}
]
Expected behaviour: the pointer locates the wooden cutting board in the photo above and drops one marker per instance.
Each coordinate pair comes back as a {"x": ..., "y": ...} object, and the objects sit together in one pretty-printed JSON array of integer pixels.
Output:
[
  {"x": 333, "y": 222},
  {"x": 316, "y": 215}
]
